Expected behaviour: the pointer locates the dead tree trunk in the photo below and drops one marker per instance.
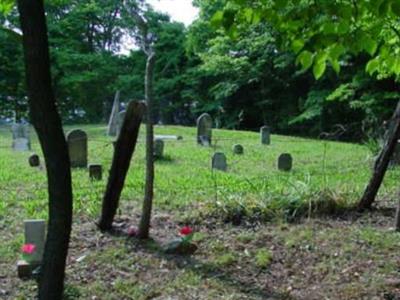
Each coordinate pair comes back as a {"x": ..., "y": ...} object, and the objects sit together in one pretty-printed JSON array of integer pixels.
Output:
[
  {"x": 123, "y": 152},
  {"x": 144, "y": 225},
  {"x": 381, "y": 163},
  {"x": 47, "y": 122}
]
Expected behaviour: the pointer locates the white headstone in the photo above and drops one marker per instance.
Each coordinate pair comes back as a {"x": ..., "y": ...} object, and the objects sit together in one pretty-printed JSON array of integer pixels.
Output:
[
  {"x": 265, "y": 133},
  {"x": 21, "y": 139},
  {"x": 204, "y": 130}
]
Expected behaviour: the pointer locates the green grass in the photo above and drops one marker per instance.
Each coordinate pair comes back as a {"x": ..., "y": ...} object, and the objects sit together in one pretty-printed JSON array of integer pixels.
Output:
[{"x": 326, "y": 178}]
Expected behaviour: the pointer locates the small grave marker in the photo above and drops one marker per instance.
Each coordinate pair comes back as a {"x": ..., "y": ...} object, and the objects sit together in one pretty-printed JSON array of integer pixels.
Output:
[
  {"x": 238, "y": 149},
  {"x": 35, "y": 234},
  {"x": 21, "y": 140},
  {"x": 219, "y": 161},
  {"x": 158, "y": 148},
  {"x": 265, "y": 134},
  {"x": 77, "y": 146},
  {"x": 95, "y": 171},
  {"x": 285, "y": 162},
  {"x": 34, "y": 160}
]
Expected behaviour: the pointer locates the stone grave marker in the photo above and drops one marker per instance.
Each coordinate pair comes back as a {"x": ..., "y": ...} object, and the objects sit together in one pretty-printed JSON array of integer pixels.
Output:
[
  {"x": 219, "y": 161},
  {"x": 238, "y": 149},
  {"x": 112, "y": 123},
  {"x": 95, "y": 171},
  {"x": 35, "y": 231},
  {"x": 34, "y": 160},
  {"x": 265, "y": 134},
  {"x": 78, "y": 149},
  {"x": 204, "y": 130},
  {"x": 158, "y": 148},
  {"x": 21, "y": 139},
  {"x": 285, "y": 162}
]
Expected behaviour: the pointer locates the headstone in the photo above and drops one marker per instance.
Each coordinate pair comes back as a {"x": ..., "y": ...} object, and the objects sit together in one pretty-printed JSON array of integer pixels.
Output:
[
  {"x": 120, "y": 121},
  {"x": 219, "y": 161},
  {"x": 204, "y": 130},
  {"x": 238, "y": 149},
  {"x": 35, "y": 234},
  {"x": 95, "y": 171},
  {"x": 285, "y": 162},
  {"x": 112, "y": 123},
  {"x": 21, "y": 139},
  {"x": 34, "y": 160},
  {"x": 77, "y": 146},
  {"x": 265, "y": 134},
  {"x": 158, "y": 148},
  {"x": 169, "y": 137}
]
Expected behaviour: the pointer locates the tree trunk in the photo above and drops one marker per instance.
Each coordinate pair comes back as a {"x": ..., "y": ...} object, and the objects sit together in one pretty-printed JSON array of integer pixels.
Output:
[
  {"x": 149, "y": 185},
  {"x": 123, "y": 152},
  {"x": 397, "y": 218},
  {"x": 47, "y": 122},
  {"x": 381, "y": 163}
]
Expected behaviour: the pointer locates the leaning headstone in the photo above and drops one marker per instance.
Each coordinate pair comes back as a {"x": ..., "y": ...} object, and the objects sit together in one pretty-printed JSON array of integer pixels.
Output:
[
  {"x": 238, "y": 149},
  {"x": 112, "y": 123},
  {"x": 95, "y": 171},
  {"x": 265, "y": 134},
  {"x": 21, "y": 139},
  {"x": 285, "y": 162},
  {"x": 120, "y": 121},
  {"x": 34, "y": 160},
  {"x": 77, "y": 146},
  {"x": 204, "y": 130},
  {"x": 158, "y": 148},
  {"x": 35, "y": 234},
  {"x": 219, "y": 161}
]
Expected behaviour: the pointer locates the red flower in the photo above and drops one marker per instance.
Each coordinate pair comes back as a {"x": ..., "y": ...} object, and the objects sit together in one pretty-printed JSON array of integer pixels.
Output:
[
  {"x": 186, "y": 230},
  {"x": 28, "y": 248}
]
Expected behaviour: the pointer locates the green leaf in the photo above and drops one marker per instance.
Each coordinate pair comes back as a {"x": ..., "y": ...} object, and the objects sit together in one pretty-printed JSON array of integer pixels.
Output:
[
  {"x": 369, "y": 44},
  {"x": 335, "y": 66},
  {"x": 372, "y": 66},
  {"x": 319, "y": 65},
  {"x": 6, "y": 6},
  {"x": 216, "y": 19},
  {"x": 297, "y": 45},
  {"x": 383, "y": 9},
  {"x": 305, "y": 58}
]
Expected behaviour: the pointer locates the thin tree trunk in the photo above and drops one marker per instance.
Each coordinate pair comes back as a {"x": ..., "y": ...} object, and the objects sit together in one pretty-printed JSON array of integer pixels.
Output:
[
  {"x": 144, "y": 226},
  {"x": 397, "y": 218},
  {"x": 381, "y": 163},
  {"x": 47, "y": 122},
  {"x": 123, "y": 152}
]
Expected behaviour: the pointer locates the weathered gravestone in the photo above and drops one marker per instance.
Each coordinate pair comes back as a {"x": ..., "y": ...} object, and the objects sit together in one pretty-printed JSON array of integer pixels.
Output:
[
  {"x": 219, "y": 161},
  {"x": 265, "y": 134},
  {"x": 78, "y": 149},
  {"x": 204, "y": 130},
  {"x": 21, "y": 140},
  {"x": 34, "y": 160},
  {"x": 158, "y": 148},
  {"x": 120, "y": 121},
  {"x": 35, "y": 231},
  {"x": 238, "y": 149},
  {"x": 285, "y": 162},
  {"x": 95, "y": 171},
  {"x": 112, "y": 123}
]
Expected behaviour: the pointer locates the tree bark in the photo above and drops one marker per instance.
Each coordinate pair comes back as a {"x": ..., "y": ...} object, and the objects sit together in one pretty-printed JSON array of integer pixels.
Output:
[
  {"x": 397, "y": 218},
  {"x": 381, "y": 163},
  {"x": 47, "y": 123},
  {"x": 144, "y": 226},
  {"x": 123, "y": 152}
]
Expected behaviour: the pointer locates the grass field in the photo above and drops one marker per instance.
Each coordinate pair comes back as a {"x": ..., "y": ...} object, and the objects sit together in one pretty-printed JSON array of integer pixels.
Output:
[{"x": 344, "y": 256}]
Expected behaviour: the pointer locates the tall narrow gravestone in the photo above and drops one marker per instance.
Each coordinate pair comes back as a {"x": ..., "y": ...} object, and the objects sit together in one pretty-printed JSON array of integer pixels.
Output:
[
  {"x": 265, "y": 134},
  {"x": 204, "y": 130},
  {"x": 35, "y": 234},
  {"x": 112, "y": 123},
  {"x": 77, "y": 146},
  {"x": 219, "y": 162},
  {"x": 158, "y": 148},
  {"x": 21, "y": 140},
  {"x": 285, "y": 162}
]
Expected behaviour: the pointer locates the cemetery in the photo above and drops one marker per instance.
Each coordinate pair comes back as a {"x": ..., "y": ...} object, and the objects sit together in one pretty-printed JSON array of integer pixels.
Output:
[{"x": 177, "y": 150}]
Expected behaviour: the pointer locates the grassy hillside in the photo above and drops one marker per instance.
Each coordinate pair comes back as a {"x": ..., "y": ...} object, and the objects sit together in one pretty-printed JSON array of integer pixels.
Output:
[{"x": 326, "y": 176}]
